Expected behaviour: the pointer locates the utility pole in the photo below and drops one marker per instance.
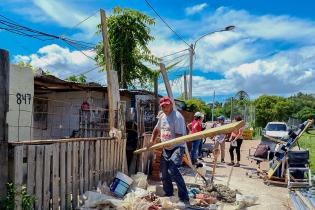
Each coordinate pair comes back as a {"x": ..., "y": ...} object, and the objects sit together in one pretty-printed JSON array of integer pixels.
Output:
[
  {"x": 108, "y": 69},
  {"x": 167, "y": 83},
  {"x": 191, "y": 55},
  {"x": 231, "y": 114},
  {"x": 213, "y": 105},
  {"x": 156, "y": 95},
  {"x": 185, "y": 86}
]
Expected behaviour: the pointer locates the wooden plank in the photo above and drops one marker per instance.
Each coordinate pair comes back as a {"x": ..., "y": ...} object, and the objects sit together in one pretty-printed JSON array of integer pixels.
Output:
[
  {"x": 75, "y": 175},
  {"x": 53, "y": 141},
  {"x": 86, "y": 166},
  {"x": 114, "y": 155},
  {"x": 110, "y": 158},
  {"x": 18, "y": 175},
  {"x": 125, "y": 165},
  {"x": 31, "y": 153},
  {"x": 39, "y": 176},
  {"x": 97, "y": 162},
  {"x": 81, "y": 167},
  {"x": 91, "y": 164},
  {"x": 119, "y": 154},
  {"x": 47, "y": 178},
  {"x": 63, "y": 166},
  {"x": 69, "y": 175},
  {"x": 55, "y": 177},
  {"x": 106, "y": 160},
  {"x": 228, "y": 128},
  {"x": 102, "y": 160}
]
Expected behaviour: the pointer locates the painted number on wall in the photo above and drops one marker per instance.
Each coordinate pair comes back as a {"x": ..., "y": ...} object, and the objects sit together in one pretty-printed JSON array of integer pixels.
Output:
[{"x": 23, "y": 98}]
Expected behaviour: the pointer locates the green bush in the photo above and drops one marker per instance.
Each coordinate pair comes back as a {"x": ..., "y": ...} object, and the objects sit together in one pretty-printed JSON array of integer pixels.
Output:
[{"x": 8, "y": 203}]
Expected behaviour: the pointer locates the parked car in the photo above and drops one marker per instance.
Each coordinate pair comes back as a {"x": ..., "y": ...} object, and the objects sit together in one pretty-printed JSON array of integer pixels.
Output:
[{"x": 276, "y": 129}]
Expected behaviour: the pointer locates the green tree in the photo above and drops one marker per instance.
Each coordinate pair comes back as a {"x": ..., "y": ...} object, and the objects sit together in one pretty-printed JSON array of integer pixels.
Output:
[
  {"x": 306, "y": 113},
  {"x": 129, "y": 35},
  {"x": 271, "y": 108},
  {"x": 197, "y": 105},
  {"x": 79, "y": 79}
]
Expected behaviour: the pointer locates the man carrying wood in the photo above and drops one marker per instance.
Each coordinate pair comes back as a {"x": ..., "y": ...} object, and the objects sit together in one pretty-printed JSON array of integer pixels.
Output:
[{"x": 170, "y": 125}]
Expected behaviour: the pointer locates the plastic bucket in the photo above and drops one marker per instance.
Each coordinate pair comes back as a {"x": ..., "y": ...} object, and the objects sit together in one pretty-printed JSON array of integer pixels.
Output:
[{"x": 120, "y": 184}]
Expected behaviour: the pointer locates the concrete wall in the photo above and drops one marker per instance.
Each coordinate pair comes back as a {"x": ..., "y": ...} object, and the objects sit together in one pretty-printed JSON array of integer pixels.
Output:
[
  {"x": 21, "y": 91},
  {"x": 63, "y": 112}
]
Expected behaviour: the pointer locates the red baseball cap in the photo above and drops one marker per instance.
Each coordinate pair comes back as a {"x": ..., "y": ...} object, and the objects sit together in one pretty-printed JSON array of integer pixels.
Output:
[{"x": 165, "y": 101}]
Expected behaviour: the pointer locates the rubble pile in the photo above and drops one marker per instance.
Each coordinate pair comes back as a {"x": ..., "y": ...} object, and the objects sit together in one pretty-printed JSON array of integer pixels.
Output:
[
  {"x": 139, "y": 197},
  {"x": 221, "y": 192}
]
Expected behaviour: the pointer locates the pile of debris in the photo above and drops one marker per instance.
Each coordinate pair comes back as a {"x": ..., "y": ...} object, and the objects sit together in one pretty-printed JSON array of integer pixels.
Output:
[{"x": 138, "y": 197}]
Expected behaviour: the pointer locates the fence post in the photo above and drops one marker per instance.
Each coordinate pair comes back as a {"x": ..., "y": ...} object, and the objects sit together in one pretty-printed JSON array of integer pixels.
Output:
[{"x": 4, "y": 106}]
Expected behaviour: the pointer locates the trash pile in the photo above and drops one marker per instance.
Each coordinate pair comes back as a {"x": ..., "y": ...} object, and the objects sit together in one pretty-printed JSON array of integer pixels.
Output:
[{"x": 130, "y": 193}]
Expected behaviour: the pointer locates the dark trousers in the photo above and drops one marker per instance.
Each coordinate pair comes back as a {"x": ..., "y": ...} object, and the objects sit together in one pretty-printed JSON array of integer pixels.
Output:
[
  {"x": 237, "y": 148},
  {"x": 195, "y": 150},
  {"x": 169, "y": 163}
]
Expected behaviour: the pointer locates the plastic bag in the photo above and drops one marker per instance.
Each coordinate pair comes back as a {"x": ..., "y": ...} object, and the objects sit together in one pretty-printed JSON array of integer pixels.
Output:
[
  {"x": 95, "y": 199},
  {"x": 139, "y": 181},
  {"x": 244, "y": 201}
]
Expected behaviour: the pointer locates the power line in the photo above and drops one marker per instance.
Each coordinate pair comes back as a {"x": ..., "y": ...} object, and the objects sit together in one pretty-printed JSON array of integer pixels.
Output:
[
  {"x": 13, "y": 27},
  {"x": 79, "y": 23},
  {"x": 173, "y": 53},
  {"x": 166, "y": 23}
]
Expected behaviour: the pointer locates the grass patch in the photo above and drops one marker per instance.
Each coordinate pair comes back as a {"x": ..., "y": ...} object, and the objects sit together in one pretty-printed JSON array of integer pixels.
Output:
[{"x": 307, "y": 141}]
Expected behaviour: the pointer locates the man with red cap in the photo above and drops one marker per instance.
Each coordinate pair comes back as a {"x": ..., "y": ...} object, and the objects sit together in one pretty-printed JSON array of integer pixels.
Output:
[{"x": 170, "y": 125}]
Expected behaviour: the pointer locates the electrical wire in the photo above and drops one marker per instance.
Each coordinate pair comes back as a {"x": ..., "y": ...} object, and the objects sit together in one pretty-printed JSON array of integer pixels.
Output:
[
  {"x": 79, "y": 23},
  {"x": 166, "y": 23},
  {"x": 173, "y": 53},
  {"x": 13, "y": 27}
]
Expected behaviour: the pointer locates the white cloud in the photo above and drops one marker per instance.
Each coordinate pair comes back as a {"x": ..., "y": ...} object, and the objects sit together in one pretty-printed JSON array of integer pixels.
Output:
[
  {"x": 278, "y": 75},
  {"x": 62, "y": 62},
  {"x": 67, "y": 16},
  {"x": 195, "y": 9}
]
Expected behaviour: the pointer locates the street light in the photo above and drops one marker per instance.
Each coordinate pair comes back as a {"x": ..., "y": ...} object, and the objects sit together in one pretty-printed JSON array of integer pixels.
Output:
[{"x": 192, "y": 52}]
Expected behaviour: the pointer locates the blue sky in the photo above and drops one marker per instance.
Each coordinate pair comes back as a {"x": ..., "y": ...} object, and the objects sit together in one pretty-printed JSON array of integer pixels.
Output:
[{"x": 271, "y": 50}]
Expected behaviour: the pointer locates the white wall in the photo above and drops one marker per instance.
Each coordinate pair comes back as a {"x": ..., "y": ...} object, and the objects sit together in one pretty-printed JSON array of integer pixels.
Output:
[
  {"x": 63, "y": 112},
  {"x": 21, "y": 92}
]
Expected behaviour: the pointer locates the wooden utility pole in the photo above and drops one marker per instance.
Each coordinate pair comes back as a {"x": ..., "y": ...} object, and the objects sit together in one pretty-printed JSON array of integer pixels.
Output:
[
  {"x": 108, "y": 69},
  {"x": 156, "y": 96},
  {"x": 191, "y": 60},
  {"x": 185, "y": 86},
  {"x": 167, "y": 83},
  {"x": 4, "y": 107},
  {"x": 212, "y": 111}
]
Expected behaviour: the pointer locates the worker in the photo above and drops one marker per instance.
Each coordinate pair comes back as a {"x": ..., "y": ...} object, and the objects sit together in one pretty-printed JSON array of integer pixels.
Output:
[
  {"x": 220, "y": 139},
  {"x": 170, "y": 125},
  {"x": 236, "y": 140},
  {"x": 194, "y": 127}
]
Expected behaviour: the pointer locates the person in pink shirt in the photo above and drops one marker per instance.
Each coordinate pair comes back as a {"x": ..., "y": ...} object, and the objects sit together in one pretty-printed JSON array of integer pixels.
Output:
[
  {"x": 194, "y": 127},
  {"x": 236, "y": 140}
]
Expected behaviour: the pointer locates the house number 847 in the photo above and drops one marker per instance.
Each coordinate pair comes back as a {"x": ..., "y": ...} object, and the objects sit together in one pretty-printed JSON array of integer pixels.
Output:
[{"x": 26, "y": 98}]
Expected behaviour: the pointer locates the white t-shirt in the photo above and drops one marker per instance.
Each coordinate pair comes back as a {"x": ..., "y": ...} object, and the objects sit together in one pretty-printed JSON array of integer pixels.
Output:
[
  {"x": 219, "y": 138},
  {"x": 170, "y": 125}
]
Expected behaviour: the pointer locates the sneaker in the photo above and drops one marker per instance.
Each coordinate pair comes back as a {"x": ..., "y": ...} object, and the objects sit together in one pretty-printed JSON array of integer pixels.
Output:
[
  {"x": 231, "y": 164},
  {"x": 237, "y": 165},
  {"x": 222, "y": 161},
  {"x": 199, "y": 165}
]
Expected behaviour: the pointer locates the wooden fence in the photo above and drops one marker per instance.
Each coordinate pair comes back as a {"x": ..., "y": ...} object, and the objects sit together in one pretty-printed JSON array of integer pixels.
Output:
[{"x": 58, "y": 171}]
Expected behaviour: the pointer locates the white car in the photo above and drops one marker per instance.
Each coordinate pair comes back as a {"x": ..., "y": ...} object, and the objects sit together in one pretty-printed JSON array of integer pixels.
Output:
[{"x": 276, "y": 129}]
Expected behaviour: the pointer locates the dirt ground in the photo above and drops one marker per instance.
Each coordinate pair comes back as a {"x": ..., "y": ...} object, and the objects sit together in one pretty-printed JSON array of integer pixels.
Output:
[{"x": 269, "y": 197}]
